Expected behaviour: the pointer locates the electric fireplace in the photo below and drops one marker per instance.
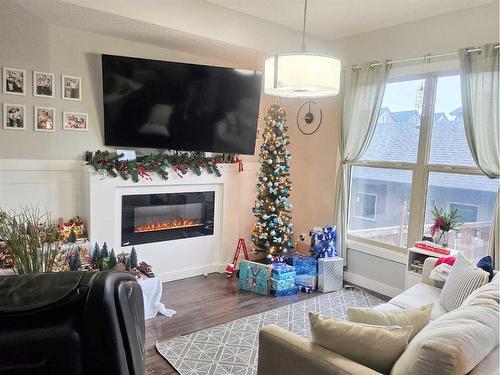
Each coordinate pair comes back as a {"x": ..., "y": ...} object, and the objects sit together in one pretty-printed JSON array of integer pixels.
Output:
[{"x": 167, "y": 216}]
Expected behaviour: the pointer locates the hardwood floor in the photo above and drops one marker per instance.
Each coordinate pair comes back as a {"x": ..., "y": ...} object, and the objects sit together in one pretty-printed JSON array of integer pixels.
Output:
[{"x": 202, "y": 303}]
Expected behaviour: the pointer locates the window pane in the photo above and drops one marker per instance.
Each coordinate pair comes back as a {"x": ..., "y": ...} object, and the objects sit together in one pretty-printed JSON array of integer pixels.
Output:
[
  {"x": 379, "y": 204},
  {"x": 448, "y": 143},
  {"x": 474, "y": 198},
  {"x": 398, "y": 124}
]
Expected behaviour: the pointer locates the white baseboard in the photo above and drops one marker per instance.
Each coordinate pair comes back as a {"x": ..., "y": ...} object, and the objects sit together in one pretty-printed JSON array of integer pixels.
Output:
[
  {"x": 372, "y": 285},
  {"x": 188, "y": 272}
]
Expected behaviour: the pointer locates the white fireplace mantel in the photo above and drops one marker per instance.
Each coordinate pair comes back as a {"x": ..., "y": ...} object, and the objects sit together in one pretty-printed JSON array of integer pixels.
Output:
[{"x": 174, "y": 259}]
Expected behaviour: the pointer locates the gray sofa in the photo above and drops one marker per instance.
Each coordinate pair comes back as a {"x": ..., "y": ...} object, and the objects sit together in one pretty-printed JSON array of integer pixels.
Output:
[{"x": 283, "y": 352}]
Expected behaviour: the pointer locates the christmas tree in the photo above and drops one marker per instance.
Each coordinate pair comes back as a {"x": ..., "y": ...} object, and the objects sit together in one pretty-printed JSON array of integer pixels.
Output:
[
  {"x": 112, "y": 260},
  {"x": 273, "y": 230},
  {"x": 104, "y": 251},
  {"x": 96, "y": 258},
  {"x": 133, "y": 258}
]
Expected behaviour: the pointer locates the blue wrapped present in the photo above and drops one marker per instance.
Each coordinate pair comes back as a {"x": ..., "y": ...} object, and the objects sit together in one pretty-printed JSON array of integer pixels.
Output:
[
  {"x": 323, "y": 242},
  {"x": 282, "y": 284},
  {"x": 305, "y": 265},
  {"x": 307, "y": 280},
  {"x": 285, "y": 292},
  {"x": 282, "y": 271},
  {"x": 254, "y": 277}
]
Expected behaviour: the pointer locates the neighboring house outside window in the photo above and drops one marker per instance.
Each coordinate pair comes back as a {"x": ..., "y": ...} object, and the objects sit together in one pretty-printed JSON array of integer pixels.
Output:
[
  {"x": 365, "y": 206},
  {"x": 416, "y": 161}
]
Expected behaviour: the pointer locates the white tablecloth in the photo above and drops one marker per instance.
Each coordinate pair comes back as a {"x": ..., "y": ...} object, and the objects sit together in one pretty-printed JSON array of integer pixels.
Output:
[{"x": 151, "y": 292}]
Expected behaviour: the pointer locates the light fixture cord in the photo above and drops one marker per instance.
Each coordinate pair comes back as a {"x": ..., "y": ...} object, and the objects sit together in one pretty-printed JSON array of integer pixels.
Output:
[{"x": 304, "y": 28}]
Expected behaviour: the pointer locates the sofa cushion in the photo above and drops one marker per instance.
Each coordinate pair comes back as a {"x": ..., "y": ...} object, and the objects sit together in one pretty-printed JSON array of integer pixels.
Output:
[
  {"x": 464, "y": 278},
  {"x": 456, "y": 342},
  {"x": 489, "y": 365},
  {"x": 421, "y": 295},
  {"x": 377, "y": 347},
  {"x": 417, "y": 318}
]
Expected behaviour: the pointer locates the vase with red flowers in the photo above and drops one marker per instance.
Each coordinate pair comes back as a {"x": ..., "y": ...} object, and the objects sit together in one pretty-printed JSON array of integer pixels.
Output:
[{"x": 443, "y": 223}]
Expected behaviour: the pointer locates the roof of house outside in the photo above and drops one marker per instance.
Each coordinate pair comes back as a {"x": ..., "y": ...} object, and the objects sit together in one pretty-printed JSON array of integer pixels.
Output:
[{"x": 398, "y": 141}]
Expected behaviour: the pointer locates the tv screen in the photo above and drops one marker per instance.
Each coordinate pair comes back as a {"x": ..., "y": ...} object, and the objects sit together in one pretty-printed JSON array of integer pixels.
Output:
[{"x": 179, "y": 106}]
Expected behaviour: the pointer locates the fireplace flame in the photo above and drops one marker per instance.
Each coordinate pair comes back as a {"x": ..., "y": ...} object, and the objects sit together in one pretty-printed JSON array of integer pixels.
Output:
[{"x": 168, "y": 224}]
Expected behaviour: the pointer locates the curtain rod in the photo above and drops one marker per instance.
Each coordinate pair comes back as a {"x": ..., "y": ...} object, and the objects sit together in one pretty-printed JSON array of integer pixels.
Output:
[{"x": 425, "y": 58}]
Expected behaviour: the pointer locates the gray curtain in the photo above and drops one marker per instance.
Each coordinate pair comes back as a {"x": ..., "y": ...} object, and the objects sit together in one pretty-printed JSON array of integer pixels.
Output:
[
  {"x": 362, "y": 101},
  {"x": 479, "y": 77}
]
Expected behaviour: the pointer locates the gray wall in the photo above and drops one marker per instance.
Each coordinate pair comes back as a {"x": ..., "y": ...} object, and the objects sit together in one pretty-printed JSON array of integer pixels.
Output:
[{"x": 30, "y": 44}]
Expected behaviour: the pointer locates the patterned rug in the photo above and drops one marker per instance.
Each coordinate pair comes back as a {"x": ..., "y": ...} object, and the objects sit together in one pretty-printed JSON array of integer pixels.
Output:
[{"x": 232, "y": 348}]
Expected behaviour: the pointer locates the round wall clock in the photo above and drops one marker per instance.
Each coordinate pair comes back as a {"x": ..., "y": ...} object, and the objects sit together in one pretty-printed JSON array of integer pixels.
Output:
[{"x": 309, "y": 117}]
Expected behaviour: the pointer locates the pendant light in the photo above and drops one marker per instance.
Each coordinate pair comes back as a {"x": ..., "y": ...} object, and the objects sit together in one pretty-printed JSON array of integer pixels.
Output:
[{"x": 302, "y": 75}]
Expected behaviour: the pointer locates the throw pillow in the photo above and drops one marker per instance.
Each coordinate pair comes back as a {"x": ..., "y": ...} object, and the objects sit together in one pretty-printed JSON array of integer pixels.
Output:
[
  {"x": 456, "y": 342},
  {"x": 377, "y": 347},
  {"x": 486, "y": 264},
  {"x": 464, "y": 278},
  {"x": 446, "y": 260},
  {"x": 417, "y": 318}
]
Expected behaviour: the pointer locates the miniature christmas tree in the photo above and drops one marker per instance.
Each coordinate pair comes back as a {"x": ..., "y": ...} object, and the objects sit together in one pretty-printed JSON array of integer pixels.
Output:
[
  {"x": 97, "y": 257},
  {"x": 74, "y": 260},
  {"x": 112, "y": 260},
  {"x": 72, "y": 236},
  {"x": 104, "y": 251},
  {"x": 273, "y": 230},
  {"x": 133, "y": 258}
]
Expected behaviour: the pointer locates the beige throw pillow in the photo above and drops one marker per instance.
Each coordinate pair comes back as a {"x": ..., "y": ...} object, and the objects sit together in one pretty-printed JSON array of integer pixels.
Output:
[
  {"x": 377, "y": 347},
  {"x": 464, "y": 278},
  {"x": 417, "y": 318},
  {"x": 456, "y": 342}
]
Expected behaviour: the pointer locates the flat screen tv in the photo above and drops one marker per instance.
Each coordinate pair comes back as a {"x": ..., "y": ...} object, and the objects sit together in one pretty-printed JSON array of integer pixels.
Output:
[{"x": 179, "y": 106}]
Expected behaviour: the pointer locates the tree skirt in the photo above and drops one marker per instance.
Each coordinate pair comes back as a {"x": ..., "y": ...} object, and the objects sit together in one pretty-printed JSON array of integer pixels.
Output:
[{"x": 232, "y": 348}]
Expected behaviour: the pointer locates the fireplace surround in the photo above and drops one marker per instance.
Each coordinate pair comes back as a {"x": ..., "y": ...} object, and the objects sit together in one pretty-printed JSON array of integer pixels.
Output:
[{"x": 148, "y": 218}]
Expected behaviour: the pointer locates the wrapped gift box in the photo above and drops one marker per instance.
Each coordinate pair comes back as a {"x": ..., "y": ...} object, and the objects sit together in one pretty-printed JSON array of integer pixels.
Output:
[
  {"x": 330, "y": 274},
  {"x": 282, "y": 271},
  {"x": 254, "y": 277},
  {"x": 282, "y": 284},
  {"x": 306, "y": 280},
  {"x": 305, "y": 265},
  {"x": 323, "y": 241},
  {"x": 285, "y": 292}
]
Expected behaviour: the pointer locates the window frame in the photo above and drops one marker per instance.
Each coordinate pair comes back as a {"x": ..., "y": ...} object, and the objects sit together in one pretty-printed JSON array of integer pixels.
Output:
[{"x": 420, "y": 169}]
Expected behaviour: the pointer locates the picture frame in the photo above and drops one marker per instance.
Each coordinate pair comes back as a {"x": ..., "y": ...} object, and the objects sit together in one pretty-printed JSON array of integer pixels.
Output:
[
  {"x": 44, "y": 84},
  {"x": 44, "y": 119},
  {"x": 74, "y": 121},
  {"x": 71, "y": 88},
  {"x": 13, "y": 120},
  {"x": 14, "y": 81}
]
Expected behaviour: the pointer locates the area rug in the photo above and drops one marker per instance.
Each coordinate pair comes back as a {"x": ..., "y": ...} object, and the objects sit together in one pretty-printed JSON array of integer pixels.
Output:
[{"x": 232, "y": 348}]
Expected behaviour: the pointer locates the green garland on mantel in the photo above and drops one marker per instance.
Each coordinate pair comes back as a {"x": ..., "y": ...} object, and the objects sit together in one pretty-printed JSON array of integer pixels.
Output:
[{"x": 180, "y": 162}]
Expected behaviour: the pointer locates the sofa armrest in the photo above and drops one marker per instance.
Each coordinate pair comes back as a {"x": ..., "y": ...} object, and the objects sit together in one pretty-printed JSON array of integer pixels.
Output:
[
  {"x": 429, "y": 264},
  {"x": 283, "y": 352}
]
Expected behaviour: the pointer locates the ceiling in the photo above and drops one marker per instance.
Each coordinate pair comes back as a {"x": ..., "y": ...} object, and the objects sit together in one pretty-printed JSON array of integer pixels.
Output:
[{"x": 334, "y": 19}]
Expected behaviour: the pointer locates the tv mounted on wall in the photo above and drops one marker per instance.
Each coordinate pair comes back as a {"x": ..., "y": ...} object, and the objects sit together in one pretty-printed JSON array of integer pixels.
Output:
[{"x": 179, "y": 106}]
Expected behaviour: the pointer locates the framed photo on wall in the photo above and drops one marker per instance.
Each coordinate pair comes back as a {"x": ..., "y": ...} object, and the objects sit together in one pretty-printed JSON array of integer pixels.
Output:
[
  {"x": 45, "y": 119},
  {"x": 14, "y": 116},
  {"x": 71, "y": 88},
  {"x": 14, "y": 81},
  {"x": 43, "y": 84},
  {"x": 75, "y": 121}
]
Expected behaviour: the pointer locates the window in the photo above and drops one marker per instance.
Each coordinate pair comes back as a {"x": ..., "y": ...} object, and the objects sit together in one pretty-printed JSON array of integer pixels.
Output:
[
  {"x": 468, "y": 212},
  {"x": 419, "y": 159},
  {"x": 365, "y": 206},
  {"x": 474, "y": 197},
  {"x": 379, "y": 204}
]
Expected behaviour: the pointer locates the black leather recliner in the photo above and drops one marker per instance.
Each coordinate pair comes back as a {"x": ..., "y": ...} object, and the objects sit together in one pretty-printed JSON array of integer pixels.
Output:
[{"x": 71, "y": 323}]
